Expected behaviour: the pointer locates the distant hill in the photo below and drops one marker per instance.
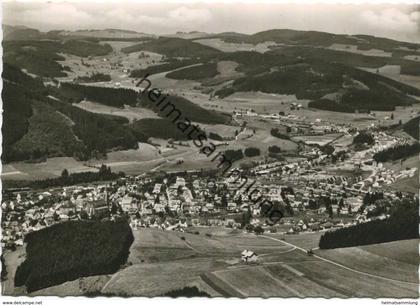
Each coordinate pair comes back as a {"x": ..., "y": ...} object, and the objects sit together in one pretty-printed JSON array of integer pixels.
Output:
[
  {"x": 188, "y": 35},
  {"x": 174, "y": 47},
  {"x": 314, "y": 79},
  {"x": 106, "y": 33},
  {"x": 20, "y": 33},
  {"x": 311, "y": 72},
  {"x": 294, "y": 37},
  {"x": 26, "y": 33},
  {"x": 40, "y": 56}
]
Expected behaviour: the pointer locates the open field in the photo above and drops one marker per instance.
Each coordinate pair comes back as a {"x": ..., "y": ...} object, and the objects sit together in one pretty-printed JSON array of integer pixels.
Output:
[
  {"x": 227, "y": 68},
  {"x": 349, "y": 284},
  {"x": 413, "y": 57},
  {"x": 161, "y": 261},
  {"x": 12, "y": 173},
  {"x": 160, "y": 81},
  {"x": 81, "y": 286},
  {"x": 134, "y": 162},
  {"x": 131, "y": 113},
  {"x": 174, "y": 263},
  {"x": 306, "y": 240},
  {"x": 131, "y": 162},
  {"x": 405, "y": 251},
  {"x": 104, "y": 64},
  {"x": 394, "y": 260},
  {"x": 225, "y": 131},
  {"x": 394, "y": 72},
  {"x": 354, "y": 49},
  {"x": 362, "y": 120},
  {"x": 296, "y": 274},
  {"x": 319, "y": 140},
  {"x": 399, "y": 165},
  {"x": 269, "y": 281},
  {"x": 159, "y": 278},
  {"x": 407, "y": 184},
  {"x": 49, "y": 169},
  {"x": 259, "y": 101},
  {"x": 411, "y": 80},
  {"x": 261, "y": 139},
  {"x": 223, "y": 46}
]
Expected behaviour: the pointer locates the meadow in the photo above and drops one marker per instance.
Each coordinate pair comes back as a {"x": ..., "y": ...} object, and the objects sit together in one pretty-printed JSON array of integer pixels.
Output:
[{"x": 209, "y": 258}]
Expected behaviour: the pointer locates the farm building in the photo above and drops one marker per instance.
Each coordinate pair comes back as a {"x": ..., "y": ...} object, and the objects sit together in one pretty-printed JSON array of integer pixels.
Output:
[{"x": 248, "y": 256}]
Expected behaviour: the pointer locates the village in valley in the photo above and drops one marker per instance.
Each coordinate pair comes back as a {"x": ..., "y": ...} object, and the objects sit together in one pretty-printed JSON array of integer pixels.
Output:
[
  {"x": 317, "y": 190},
  {"x": 311, "y": 192},
  {"x": 310, "y": 188}
]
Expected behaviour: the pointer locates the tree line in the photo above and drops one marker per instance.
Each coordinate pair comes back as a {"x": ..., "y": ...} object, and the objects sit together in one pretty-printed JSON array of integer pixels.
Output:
[
  {"x": 104, "y": 174},
  {"x": 397, "y": 152},
  {"x": 402, "y": 224}
]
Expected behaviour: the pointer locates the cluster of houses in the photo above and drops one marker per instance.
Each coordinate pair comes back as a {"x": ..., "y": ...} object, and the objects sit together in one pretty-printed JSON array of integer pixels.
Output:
[{"x": 303, "y": 186}]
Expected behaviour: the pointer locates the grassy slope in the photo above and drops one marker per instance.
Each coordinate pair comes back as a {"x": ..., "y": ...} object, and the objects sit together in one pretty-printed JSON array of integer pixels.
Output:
[{"x": 397, "y": 260}]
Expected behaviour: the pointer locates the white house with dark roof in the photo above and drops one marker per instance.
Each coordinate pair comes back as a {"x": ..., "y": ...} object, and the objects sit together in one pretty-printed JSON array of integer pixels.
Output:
[{"x": 248, "y": 256}]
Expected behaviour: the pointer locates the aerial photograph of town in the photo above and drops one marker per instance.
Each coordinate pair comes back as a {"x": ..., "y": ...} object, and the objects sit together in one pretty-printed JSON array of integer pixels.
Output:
[{"x": 169, "y": 149}]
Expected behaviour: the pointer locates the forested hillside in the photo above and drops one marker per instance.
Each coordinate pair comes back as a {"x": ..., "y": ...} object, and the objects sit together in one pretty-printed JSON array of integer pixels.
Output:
[
  {"x": 312, "y": 79},
  {"x": 40, "y": 56},
  {"x": 42, "y": 121},
  {"x": 174, "y": 47},
  {"x": 412, "y": 127},
  {"x": 37, "y": 126}
]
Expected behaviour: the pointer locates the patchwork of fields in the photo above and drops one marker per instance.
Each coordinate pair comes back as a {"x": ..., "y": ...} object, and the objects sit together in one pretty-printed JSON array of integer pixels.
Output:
[
  {"x": 161, "y": 261},
  {"x": 295, "y": 274}
]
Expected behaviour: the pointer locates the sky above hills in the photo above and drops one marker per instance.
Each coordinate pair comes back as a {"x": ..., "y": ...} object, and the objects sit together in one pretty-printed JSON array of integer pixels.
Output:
[{"x": 401, "y": 22}]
